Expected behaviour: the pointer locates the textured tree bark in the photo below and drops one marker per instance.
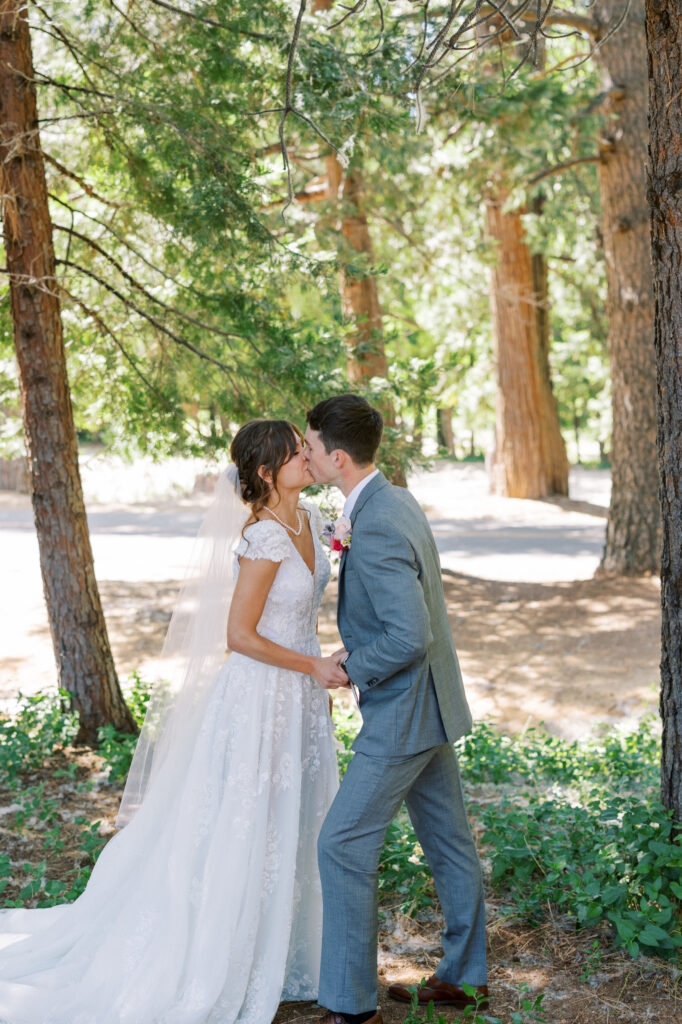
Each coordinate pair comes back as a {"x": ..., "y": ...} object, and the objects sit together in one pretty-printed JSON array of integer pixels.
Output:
[
  {"x": 85, "y": 665},
  {"x": 665, "y": 194},
  {"x": 633, "y": 529},
  {"x": 524, "y": 404},
  {"x": 554, "y": 447}
]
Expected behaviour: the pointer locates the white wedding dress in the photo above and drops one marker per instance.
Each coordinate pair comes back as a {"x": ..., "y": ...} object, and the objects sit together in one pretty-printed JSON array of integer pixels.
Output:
[{"x": 206, "y": 908}]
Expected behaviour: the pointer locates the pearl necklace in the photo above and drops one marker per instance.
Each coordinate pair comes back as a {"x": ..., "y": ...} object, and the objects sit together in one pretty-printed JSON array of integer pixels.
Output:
[{"x": 286, "y": 526}]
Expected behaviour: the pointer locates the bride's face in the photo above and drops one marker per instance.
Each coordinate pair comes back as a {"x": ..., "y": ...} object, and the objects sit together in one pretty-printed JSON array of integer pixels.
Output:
[{"x": 294, "y": 474}]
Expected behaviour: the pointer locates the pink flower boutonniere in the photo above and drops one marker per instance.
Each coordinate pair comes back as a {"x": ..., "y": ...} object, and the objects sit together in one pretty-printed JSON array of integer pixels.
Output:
[{"x": 338, "y": 534}]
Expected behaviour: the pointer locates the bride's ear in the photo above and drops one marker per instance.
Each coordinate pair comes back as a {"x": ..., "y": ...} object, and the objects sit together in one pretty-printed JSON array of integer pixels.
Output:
[{"x": 265, "y": 474}]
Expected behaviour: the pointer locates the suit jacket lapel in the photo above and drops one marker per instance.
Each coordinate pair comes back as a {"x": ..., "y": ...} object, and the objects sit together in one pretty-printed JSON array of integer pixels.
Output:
[{"x": 375, "y": 484}]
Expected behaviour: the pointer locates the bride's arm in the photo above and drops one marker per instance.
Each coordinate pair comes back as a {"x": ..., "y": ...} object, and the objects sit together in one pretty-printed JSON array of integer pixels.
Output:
[{"x": 255, "y": 579}]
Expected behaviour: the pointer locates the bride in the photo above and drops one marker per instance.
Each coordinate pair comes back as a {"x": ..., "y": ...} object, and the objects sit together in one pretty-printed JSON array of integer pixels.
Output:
[{"x": 206, "y": 907}]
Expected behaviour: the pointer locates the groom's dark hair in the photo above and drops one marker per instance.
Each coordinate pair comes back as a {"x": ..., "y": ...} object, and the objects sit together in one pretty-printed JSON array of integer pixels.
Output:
[{"x": 350, "y": 423}]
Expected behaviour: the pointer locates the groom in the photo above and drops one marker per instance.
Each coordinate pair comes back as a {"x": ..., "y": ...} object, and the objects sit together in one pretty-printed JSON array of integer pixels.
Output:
[{"x": 400, "y": 657}]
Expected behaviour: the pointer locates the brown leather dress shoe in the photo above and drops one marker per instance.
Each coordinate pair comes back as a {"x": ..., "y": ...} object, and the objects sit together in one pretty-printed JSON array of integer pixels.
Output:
[
  {"x": 338, "y": 1018},
  {"x": 441, "y": 993}
]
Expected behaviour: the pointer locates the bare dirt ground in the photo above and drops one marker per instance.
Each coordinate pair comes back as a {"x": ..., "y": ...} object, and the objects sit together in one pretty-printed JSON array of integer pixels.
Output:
[{"x": 569, "y": 654}]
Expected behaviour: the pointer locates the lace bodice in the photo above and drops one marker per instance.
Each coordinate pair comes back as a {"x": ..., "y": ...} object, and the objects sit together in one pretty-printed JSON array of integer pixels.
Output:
[{"x": 290, "y": 614}]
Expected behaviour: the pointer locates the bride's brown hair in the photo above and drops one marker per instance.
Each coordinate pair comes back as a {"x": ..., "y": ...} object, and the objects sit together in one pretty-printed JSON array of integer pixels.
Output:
[{"x": 267, "y": 443}]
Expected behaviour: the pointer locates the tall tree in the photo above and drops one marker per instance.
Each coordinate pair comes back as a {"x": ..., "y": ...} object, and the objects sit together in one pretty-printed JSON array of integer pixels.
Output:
[
  {"x": 554, "y": 447},
  {"x": 518, "y": 468},
  {"x": 79, "y": 636},
  {"x": 633, "y": 528},
  {"x": 665, "y": 120},
  {"x": 359, "y": 291},
  {"x": 530, "y": 455},
  {"x": 357, "y": 278}
]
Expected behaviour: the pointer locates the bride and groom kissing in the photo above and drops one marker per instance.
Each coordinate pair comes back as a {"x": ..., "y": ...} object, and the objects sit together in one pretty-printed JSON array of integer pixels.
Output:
[{"x": 245, "y": 875}]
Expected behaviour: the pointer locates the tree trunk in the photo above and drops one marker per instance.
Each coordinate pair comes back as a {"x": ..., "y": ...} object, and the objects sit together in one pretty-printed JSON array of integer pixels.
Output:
[
  {"x": 521, "y": 455},
  {"x": 446, "y": 438},
  {"x": 633, "y": 529},
  {"x": 665, "y": 121},
  {"x": 359, "y": 293},
  {"x": 85, "y": 665},
  {"x": 554, "y": 447}
]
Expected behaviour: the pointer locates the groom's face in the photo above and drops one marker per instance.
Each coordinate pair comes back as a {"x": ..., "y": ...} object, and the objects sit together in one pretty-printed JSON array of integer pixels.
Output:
[{"x": 322, "y": 465}]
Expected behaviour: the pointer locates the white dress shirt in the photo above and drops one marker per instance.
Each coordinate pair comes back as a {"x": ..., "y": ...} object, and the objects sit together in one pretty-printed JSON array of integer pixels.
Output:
[{"x": 350, "y": 501}]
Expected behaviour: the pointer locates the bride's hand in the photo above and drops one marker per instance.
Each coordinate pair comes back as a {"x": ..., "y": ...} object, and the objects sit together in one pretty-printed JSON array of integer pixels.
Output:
[{"x": 327, "y": 673}]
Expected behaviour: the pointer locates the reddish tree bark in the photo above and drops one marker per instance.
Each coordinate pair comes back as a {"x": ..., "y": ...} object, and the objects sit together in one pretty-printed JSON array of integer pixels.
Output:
[
  {"x": 85, "y": 665},
  {"x": 529, "y": 460},
  {"x": 554, "y": 447}
]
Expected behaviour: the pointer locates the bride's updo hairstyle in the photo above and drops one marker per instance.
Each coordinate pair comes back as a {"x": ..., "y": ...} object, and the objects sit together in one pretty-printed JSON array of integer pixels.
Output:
[{"x": 267, "y": 443}]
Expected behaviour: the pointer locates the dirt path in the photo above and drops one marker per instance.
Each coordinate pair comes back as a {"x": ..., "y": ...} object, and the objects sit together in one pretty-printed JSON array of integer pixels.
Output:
[
  {"x": 569, "y": 654},
  {"x": 539, "y": 638}
]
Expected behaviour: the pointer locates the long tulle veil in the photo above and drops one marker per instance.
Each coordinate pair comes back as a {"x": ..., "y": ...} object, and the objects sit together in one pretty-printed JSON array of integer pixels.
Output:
[{"x": 193, "y": 651}]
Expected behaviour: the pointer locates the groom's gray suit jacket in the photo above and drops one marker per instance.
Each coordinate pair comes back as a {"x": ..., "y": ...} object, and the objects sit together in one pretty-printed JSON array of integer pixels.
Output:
[{"x": 393, "y": 620}]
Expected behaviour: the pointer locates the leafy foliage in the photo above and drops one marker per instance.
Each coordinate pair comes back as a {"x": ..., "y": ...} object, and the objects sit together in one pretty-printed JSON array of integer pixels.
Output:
[
  {"x": 612, "y": 759},
  {"x": 117, "y": 748},
  {"x": 190, "y": 304},
  {"x": 38, "y": 726},
  {"x": 590, "y": 840},
  {"x": 572, "y": 826}
]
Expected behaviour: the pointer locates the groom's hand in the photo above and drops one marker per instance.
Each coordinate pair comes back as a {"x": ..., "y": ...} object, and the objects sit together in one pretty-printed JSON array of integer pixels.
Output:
[{"x": 339, "y": 655}]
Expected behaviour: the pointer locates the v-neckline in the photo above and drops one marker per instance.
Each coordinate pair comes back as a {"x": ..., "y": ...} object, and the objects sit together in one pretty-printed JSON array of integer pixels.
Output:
[
  {"x": 307, "y": 567},
  {"x": 312, "y": 537}
]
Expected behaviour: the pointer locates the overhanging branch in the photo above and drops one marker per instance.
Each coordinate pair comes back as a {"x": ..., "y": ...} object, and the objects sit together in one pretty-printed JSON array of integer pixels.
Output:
[{"x": 559, "y": 168}]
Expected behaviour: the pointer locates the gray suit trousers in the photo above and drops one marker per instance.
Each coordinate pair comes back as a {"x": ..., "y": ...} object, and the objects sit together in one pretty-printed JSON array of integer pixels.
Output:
[{"x": 349, "y": 847}]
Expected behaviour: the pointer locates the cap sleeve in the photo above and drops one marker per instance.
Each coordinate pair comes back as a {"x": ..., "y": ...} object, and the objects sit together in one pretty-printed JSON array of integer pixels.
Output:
[{"x": 264, "y": 539}]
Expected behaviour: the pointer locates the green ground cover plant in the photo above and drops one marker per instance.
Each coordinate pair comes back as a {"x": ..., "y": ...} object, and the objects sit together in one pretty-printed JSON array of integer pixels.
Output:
[
  {"x": 569, "y": 828},
  {"x": 529, "y": 1011},
  {"x": 590, "y": 839}
]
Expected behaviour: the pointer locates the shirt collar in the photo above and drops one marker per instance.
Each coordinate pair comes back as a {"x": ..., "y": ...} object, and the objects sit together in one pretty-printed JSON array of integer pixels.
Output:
[{"x": 350, "y": 501}]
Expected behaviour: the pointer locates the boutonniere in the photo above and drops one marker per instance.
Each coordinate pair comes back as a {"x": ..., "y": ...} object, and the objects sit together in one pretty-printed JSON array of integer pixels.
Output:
[{"x": 338, "y": 533}]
